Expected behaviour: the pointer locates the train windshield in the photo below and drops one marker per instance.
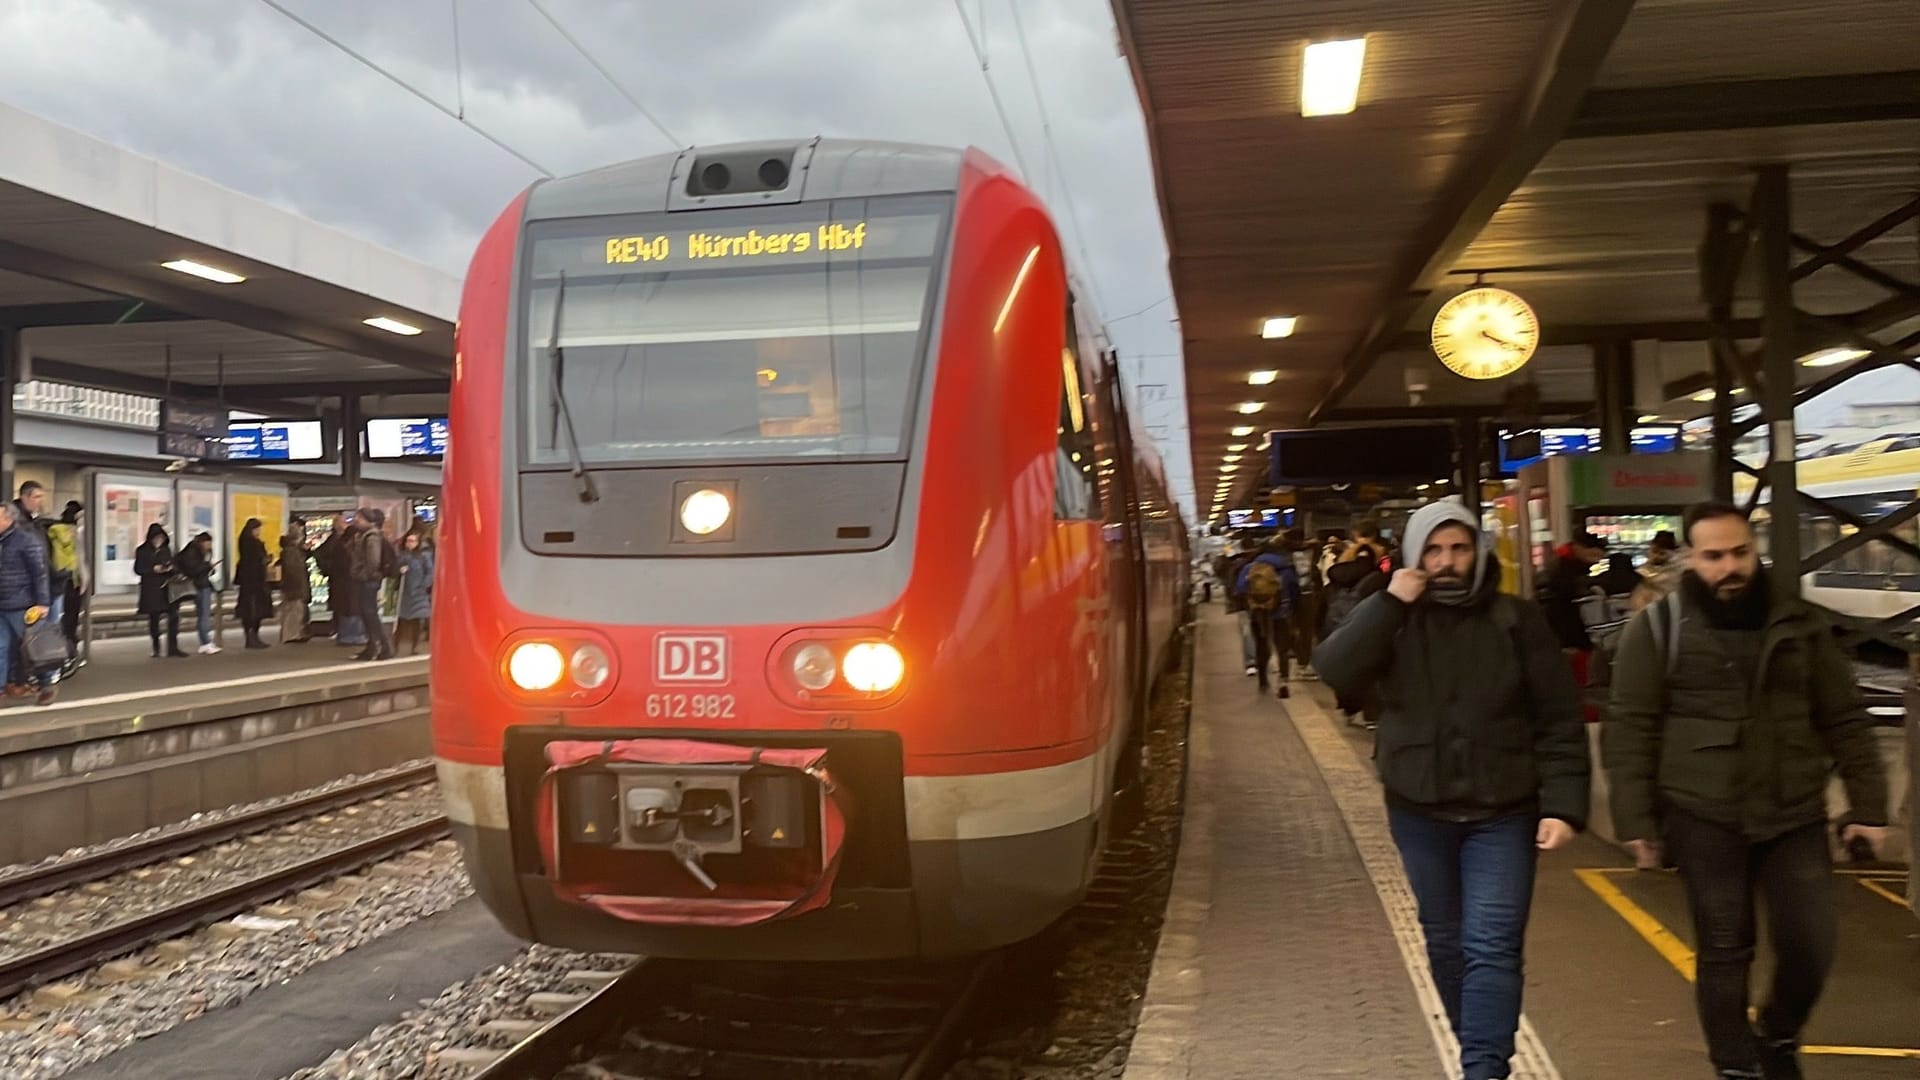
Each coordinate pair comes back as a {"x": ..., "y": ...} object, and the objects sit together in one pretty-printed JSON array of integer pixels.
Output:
[{"x": 770, "y": 332}]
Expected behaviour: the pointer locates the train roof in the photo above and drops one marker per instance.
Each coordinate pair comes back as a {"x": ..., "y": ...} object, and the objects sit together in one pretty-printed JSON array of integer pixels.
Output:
[{"x": 757, "y": 173}]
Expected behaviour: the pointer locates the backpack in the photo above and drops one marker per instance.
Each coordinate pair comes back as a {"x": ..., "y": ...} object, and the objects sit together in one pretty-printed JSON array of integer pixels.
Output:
[
  {"x": 63, "y": 551},
  {"x": 1663, "y": 620},
  {"x": 389, "y": 559},
  {"x": 1264, "y": 587}
]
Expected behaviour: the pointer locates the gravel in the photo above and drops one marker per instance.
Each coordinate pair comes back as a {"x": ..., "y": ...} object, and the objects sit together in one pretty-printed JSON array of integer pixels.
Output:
[
  {"x": 1066, "y": 1003},
  {"x": 14, "y": 870},
  {"x": 69, "y": 913},
  {"x": 407, "y": 1049},
  {"x": 37, "y": 1043}
]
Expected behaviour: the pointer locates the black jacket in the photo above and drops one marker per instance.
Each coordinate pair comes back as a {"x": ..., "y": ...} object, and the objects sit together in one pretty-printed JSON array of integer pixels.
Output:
[
  {"x": 1479, "y": 713},
  {"x": 1753, "y": 757},
  {"x": 1568, "y": 582}
]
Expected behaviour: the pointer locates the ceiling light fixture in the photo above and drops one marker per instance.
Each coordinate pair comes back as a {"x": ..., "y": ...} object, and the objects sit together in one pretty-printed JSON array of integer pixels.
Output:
[
  {"x": 1242, "y": 432},
  {"x": 1832, "y": 357},
  {"x": 1262, "y": 378},
  {"x": 1236, "y": 447},
  {"x": 1250, "y": 407},
  {"x": 392, "y": 326},
  {"x": 1330, "y": 77},
  {"x": 202, "y": 270},
  {"x": 1279, "y": 326}
]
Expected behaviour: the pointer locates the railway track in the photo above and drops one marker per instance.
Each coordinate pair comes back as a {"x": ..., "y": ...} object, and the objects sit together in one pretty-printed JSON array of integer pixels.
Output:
[
  {"x": 664, "y": 1019},
  {"x": 42, "y": 881},
  {"x": 83, "y": 951}
]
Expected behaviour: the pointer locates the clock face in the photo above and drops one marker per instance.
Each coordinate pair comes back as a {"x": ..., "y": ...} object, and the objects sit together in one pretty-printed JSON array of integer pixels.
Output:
[{"x": 1485, "y": 333}]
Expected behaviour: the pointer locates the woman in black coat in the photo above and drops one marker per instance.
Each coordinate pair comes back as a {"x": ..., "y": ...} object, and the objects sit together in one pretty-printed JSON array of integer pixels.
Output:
[
  {"x": 296, "y": 588},
  {"x": 153, "y": 564},
  {"x": 255, "y": 604}
]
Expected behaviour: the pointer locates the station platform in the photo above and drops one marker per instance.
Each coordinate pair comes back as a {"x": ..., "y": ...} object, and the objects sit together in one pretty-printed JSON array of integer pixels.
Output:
[
  {"x": 1292, "y": 945},
  {"x": 135, "y": 742}
]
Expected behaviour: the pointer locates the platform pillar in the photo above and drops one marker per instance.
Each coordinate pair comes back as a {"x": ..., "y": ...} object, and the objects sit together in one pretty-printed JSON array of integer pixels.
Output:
[
  {"x": 12, "y": 357},
  {"x": 1613, "y": 390},
  {"x": 1467, "y": 437},
  {"x": 350, "y": 442}
]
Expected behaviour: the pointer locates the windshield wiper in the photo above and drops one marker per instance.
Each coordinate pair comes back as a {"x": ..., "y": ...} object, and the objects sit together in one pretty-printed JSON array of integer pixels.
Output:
[{"x": 588, "y": 492}]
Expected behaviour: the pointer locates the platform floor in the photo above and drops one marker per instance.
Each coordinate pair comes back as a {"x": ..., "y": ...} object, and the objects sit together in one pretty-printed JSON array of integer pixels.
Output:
[
  {"x": 123, "y": 669},
  {"x": 1291, "y": 947}
]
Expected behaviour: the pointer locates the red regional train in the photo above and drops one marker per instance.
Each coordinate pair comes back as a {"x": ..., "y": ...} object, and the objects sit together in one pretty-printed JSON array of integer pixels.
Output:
[{"x": 802, "y": 577}]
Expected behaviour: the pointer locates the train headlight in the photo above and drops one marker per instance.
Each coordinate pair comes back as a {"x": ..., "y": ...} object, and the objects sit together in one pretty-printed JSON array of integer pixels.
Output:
[
  {"x": 873, "y": 667},
  {"x": 535, "y": 666},
  {"x": 705, "y": 511},
  {"x": 589, "y": 667},
  {"x": 813, "y": 667}
]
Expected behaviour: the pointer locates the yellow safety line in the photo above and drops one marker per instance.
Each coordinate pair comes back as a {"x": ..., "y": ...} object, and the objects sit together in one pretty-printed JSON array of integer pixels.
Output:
[
  {"x": 1878, "y": 889},
  {"x": 1676, "y": 952},
  {"x": 1657, "y": 935}
]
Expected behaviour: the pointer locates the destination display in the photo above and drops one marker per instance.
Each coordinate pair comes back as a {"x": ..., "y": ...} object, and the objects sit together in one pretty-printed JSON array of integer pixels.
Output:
[
  {"x": 275, "y": 440},
  {"x": 419, "y": 437},
  {"x": 1563, "y": 441},
  {"x": 647, "y": 245}
]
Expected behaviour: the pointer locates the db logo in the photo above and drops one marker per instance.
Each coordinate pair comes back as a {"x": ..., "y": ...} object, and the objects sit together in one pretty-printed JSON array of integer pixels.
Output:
[{"x": 691, "y": 658}]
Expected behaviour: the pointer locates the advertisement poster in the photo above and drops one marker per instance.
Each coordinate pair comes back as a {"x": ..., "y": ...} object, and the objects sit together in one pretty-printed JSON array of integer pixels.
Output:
[
  {"x": 269, "y": 507},
  {"x": 200, "y": 513},
  {"x": 127, "y": 507}
]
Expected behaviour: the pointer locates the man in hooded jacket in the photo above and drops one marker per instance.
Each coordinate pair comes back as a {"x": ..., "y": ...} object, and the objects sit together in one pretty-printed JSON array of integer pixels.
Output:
[{"x": 1483, "y": 756}]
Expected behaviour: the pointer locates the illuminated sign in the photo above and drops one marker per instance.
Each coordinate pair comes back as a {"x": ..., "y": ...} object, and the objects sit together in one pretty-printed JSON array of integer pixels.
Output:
[
  {"x": 1560, "y": 442},
  {"x": 275, "y": 440},
  {"x": 410, "y": 437},
  {"x": 788, "y": 236},
  {"x": 751, "y": 244}
]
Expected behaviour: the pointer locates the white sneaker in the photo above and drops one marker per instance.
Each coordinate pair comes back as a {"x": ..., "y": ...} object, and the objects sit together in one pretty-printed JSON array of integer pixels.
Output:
[
  {"x": 1252, "y": 671},
  {"x": 209, "y": 649},
  {"x": 1307, "y": 674}
]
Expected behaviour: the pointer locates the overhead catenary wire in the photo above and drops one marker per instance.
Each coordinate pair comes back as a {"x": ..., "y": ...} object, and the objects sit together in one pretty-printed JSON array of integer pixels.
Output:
[
  {"x": 604, "y": 73},
  {"x": 993, "y": 91},
  {"x": 407, "y": 86},
  {"x": 1053, "y": 154}
]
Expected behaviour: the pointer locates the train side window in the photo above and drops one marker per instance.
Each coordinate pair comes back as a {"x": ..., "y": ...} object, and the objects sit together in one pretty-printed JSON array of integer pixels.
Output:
[{"x": 1076, "y": 497}]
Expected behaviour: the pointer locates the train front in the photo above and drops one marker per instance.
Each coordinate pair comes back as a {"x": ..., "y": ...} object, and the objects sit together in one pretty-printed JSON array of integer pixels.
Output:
[{"x": 681, "y": 658}]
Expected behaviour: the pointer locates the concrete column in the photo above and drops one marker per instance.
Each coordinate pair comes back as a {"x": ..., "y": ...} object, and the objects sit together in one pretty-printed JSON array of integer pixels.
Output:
[
  {"x": 350, "y": 441},
  {"x": 1467, "y": 435},
  {"x": 11, "y": 359}
]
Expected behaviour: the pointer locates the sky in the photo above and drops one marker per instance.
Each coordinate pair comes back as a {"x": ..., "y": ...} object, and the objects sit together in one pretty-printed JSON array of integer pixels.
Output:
[{"x": 238, "y": 92}]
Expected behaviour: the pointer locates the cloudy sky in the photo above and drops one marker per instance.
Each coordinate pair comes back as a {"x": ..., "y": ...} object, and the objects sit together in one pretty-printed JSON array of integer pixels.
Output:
[{"x": 240, "y": 93}]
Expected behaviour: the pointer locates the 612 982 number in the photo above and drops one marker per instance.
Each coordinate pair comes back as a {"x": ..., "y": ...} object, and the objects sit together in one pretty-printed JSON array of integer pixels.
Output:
[{"x": 697, "y": 706}]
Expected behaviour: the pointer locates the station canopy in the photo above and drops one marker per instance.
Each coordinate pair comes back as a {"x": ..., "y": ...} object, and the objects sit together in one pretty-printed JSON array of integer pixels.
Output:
[
  {"x": 87, "y": 230},
  {"x": 1566, "y": 150}
]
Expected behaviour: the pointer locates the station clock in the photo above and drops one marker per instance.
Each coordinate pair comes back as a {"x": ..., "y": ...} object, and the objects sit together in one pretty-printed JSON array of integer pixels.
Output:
[{"x": 1485, "y": 333}]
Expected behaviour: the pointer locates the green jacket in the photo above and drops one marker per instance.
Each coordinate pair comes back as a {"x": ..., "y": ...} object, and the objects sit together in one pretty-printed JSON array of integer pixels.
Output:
[
  {"x": 1753, "y": 758},
  {"x": 1478, "y": 708}
]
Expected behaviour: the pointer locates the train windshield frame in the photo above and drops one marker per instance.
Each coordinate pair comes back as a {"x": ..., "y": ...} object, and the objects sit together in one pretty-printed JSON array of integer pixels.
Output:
[{"x": 795, "y": 333}]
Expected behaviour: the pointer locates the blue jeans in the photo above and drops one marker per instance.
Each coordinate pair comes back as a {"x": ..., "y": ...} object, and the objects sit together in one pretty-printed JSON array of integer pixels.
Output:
[
  {"x": 203, "y": 620},
  {"x": 13, "y": 631},
  {"x": 1246, "y": 637},
  {"x": 1474, "y": 885}
]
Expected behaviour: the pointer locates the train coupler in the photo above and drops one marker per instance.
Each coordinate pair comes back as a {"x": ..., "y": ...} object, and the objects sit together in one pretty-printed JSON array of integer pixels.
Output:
[{"x": 686, "y": 831}]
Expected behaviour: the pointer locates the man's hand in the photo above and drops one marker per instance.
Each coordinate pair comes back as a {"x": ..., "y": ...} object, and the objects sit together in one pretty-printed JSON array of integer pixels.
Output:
[
  {"x": 39, "y": 611},
  {"x": 1646, "y": 854},
  {"x": 1874, "y": 835},
  {"x": 1553, "y": 833},
  {"x": 1407, "y": 584}
]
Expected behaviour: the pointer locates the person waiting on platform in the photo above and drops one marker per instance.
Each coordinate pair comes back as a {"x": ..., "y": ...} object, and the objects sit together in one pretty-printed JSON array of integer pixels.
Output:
[
  {"x": 153, "y": 565},
  {"x": 296, "y": 586},
  {"x": 371, "y": 562},
  {"x": 196, "y": 564},
  {"x": 415, "y": 605},
  {"x": 25, "y": 597},
  {"x": 1730, "y": 708},
  {"x": 254, "y": 605},
  {"x": 1483, "y": 756}
]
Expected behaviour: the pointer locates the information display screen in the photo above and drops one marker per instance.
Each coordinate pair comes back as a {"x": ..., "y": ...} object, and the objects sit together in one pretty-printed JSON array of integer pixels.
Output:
[
  {"x": 275, "y": 440},
  {"x": 1560, "y": 441},
  {"x": 407, "y": 438}
]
